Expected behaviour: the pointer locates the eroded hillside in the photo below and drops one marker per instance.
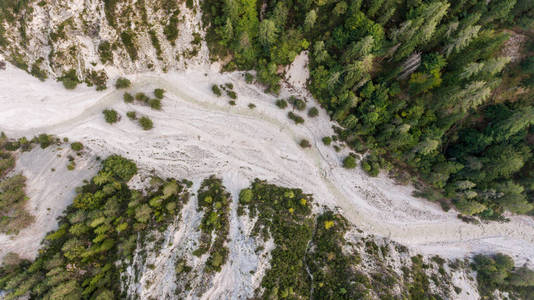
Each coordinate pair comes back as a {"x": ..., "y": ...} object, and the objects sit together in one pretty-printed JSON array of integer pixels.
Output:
[{"x": 89, "y": 41}]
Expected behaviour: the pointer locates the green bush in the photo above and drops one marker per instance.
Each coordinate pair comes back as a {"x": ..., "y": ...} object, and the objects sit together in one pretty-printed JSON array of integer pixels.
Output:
[
  {"x": 7, "y": 162},
  {"x": 146, "y": 123},
  {"x": 372, "y": 168},
  {"x": 71, "y": 166},
  {"x": 304, "y": 143},
  {"x": 122, "y": 83},
  {"x": 97, "y": 78},
  {"x": 171, "y": 30},
  {"x": 70, "y": 79},
  {"x": 120, "y": 167},
  {"x": 281, "y": 103},
  {"x": 37, "y": 72},
  {"x": 131, "y": 115},
  {"x": 249, "y": 78},
  {"x": 327, "y": 140},
  {"x": 45, "y": 140},
  {"x": 128, "y": 39},
  {"x": 142, "y": 97},
  {"x": 105, "y": 53},
  {"x": 245, "y": 196},
  {"x": 216, "y": 90},
  {"x": 111, "y": 116},
  {"x": 251, "y": 105},
  {"x": 128, "y": 98},
  {"x": 76, "y": 146},
  {"x": 13, "y": 215},
  {"x": 159, "y": 93},
  {"x": 298, "y": 104},
  {"x": 296, "y": 118},
  {"x": 313, "y": 112},
  {"x": 155, "y": 104},
  {"x": 155, "y": 42},
  {"x": 69, "y": 84},
  {"x": 349, "y": 162},
  {"x": 231, "y": 94}
]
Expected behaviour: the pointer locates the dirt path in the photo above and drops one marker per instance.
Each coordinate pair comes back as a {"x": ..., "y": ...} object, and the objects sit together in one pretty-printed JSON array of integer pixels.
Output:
[{"x": 197, "y": 134}]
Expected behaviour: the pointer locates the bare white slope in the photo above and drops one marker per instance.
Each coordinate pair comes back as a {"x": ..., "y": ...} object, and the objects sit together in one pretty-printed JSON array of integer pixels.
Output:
[
  {"x": 197, "y": 134},
  {"x": 51, "y": 188}
]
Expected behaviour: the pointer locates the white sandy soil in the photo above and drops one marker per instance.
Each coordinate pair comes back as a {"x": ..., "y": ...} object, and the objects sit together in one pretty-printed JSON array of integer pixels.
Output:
[
  {"x": 51, "y": 188},
  {"x": 197, "y": 134}
]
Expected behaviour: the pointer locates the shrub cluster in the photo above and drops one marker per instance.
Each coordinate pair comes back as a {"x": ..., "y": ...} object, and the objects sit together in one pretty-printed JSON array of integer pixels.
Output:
[
  {"x": 146, "y": 123},
  {"x": 111, "y": 116},
  {"x": 296, "y": 118},
  {"x": 122, "y": 83},
  {"x": 76, "y": 146},
  {"x": 313, "y": 112},
  {"x": 216, "y": 90},
  {"x": 214, "y": 202},
  {"x": 281, "y": 103}
]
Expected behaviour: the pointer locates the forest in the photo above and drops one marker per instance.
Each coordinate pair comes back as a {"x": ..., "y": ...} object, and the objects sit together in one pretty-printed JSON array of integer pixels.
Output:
[
  {"x": 314, "y": 258},
  {"x": 439, "y": 93},
  {"x": 96, "y": 238}
]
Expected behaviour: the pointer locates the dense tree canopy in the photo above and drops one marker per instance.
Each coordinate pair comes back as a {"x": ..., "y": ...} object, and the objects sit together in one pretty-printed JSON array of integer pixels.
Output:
[{"x": 427, "y": 85}]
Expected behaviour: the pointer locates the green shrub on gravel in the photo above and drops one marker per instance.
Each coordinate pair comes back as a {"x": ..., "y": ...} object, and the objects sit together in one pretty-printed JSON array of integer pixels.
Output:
[
  {"x": 141, "y": 97},
  {"x": 281, "y": 103},
  {"x": 128, "y": 98},
  {"x": 216, "y": 90},
  {"x": 297, "y": 103},
  {"x": 70, "y": 79},
  {"x": 111, "y": 116},
  {"x": 45, "y": 140},
  {"x": 313, "y": 112},
  {"x": 122, "y": 83},
  {"x": 159, "y": 93},
  {"x": 146, "y": 123},
  {"x": 76, "y": 146},
  {"x": 155, "y": 104},
  {"x": 231, "y": 94},
  {"x": 132, "y": 115},
  {"x": 304, "y": 143},
  {"x": 349, "y": 162},
  {"x": 296, "y": 118}
]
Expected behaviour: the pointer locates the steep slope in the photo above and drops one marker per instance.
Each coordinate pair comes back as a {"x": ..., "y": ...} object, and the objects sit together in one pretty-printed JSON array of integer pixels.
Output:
[{"x": 100, "y": 39}]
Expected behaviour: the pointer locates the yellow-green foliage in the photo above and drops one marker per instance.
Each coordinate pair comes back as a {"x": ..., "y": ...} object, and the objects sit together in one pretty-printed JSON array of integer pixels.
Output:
[
  {"x": 98, "y": 234},
  {"x": 214, "y": 201}
]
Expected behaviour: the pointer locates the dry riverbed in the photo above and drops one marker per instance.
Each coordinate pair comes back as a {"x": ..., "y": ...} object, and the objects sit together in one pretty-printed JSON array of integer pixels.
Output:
[{"x": 197, "y": 134}]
